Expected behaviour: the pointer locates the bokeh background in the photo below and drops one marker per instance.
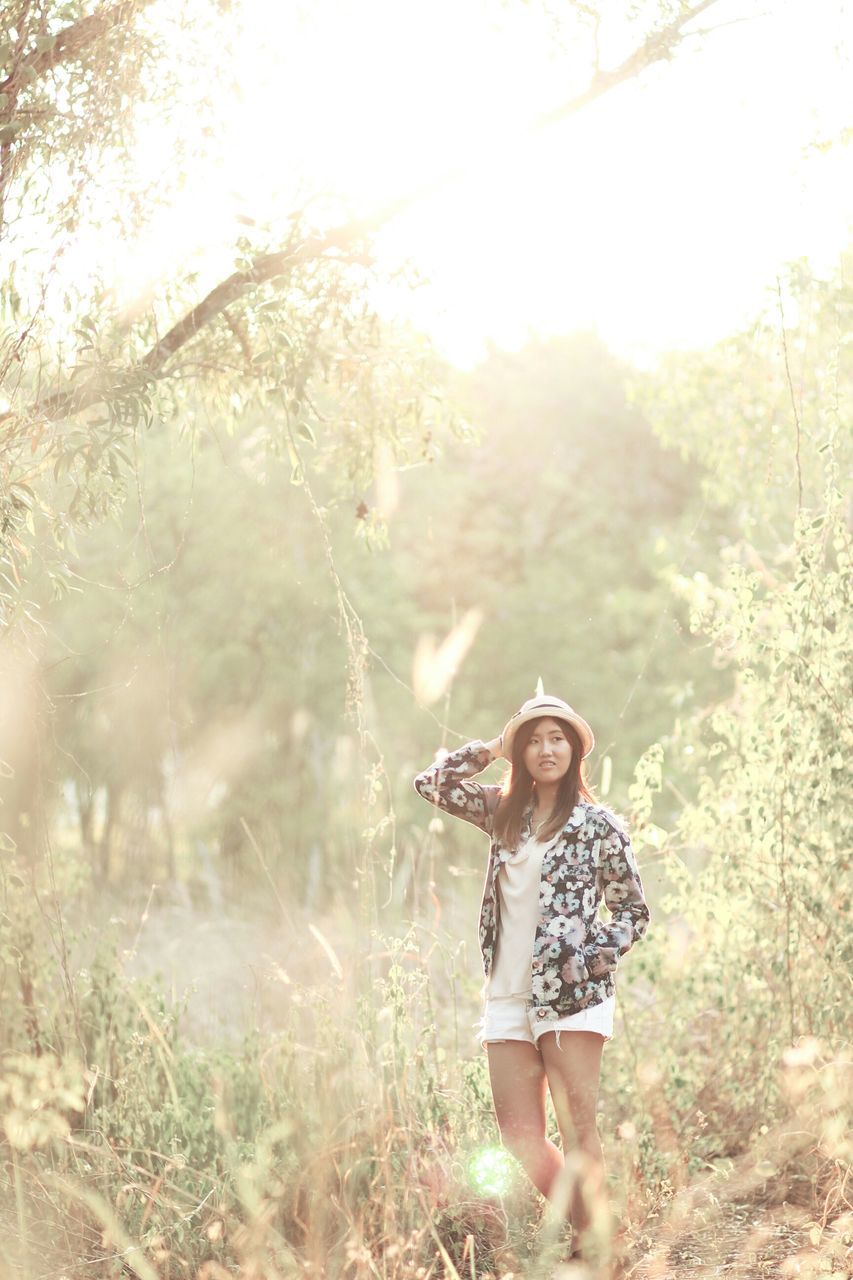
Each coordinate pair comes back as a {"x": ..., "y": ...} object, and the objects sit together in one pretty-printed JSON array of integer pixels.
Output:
[{"x": 361, "y": 367}]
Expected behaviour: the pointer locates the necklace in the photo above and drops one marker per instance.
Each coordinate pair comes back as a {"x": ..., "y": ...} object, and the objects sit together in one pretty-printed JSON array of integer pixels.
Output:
[{"x": 541, "y": 824}]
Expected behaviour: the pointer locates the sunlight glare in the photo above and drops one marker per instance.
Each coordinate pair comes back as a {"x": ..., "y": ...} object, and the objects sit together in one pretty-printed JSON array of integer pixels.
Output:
[
  {"x": 340, "y": 107},
  {"x": 655, "y": 217},
  {"x": 492, "y": 1171}
]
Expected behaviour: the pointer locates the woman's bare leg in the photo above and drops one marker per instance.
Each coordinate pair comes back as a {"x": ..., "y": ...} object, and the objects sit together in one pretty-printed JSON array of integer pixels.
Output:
[
  {"x": 573, "y": 1071},
  {"x": 519, "y": 1086}
]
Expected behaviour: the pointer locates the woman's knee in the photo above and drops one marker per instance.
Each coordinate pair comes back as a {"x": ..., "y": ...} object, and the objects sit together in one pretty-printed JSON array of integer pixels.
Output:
[
  {"x": 579, "y": 1130},
  {"x": 520, "y": 1138}
]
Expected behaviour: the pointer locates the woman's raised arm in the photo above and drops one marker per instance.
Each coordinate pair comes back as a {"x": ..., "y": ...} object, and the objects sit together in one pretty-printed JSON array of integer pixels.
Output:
[{"x": 446, "y": 783}]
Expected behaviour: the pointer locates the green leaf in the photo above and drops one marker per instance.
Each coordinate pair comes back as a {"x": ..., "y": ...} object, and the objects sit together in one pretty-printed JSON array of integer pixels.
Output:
[
  {"x": 23, "y": 494},
  {"x": 62, "y": 464}
]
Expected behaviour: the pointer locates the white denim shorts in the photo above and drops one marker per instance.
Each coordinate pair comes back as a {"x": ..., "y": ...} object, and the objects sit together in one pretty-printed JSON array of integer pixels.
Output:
[{"x": 514, "y": 1018}]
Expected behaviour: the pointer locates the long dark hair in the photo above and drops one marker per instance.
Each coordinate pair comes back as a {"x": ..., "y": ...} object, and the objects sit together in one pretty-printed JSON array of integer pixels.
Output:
[{"x": 517, "y": 787}]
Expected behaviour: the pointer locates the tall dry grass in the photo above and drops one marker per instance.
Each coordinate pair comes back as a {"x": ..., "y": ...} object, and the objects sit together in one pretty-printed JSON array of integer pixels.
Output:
[{"x": 349, "y": 1132}]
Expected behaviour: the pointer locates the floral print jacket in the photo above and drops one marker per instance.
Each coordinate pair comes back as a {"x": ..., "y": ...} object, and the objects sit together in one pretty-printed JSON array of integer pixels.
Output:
[{"x": 575, "y": 954}]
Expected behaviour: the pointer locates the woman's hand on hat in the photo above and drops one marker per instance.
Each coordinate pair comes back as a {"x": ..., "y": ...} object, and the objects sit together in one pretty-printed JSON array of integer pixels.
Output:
[{"x": 495, "y": 746}]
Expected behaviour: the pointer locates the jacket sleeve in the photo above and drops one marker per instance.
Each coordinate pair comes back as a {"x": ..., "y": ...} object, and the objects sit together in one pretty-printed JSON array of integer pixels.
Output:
[
  {"x": 623, "y": 896},
  {"x": 446, "y": 784}
]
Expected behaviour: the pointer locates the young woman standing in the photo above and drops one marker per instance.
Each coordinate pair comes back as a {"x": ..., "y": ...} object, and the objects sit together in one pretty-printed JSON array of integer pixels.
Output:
[{"x": 549, "y": 962}]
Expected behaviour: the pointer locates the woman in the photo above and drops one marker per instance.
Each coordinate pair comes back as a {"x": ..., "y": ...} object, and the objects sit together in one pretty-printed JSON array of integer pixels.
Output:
[{"x": 549, "y": 963}]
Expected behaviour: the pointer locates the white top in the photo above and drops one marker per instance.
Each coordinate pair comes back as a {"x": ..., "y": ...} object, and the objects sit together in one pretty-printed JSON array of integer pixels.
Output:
[{"x": 518, "y": 889}]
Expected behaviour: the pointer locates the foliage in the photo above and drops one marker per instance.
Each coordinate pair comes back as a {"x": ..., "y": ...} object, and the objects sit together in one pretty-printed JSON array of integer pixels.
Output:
[
  {"x": 355, "y": 1132},
  {"x": 180, "y": 487},
  {"x": 561, "y": 550},
  {"x": 760, "y": 410},
  {"x": 286, "y": 347},
  {"x": 758, "y": 863}
]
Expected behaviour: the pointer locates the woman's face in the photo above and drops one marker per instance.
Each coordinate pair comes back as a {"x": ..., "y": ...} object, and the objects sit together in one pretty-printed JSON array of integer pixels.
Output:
[{"x": 548, "y": 754}]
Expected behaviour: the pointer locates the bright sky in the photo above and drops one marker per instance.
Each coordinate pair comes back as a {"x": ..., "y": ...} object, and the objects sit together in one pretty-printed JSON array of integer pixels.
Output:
[{"x": 659, "y": 216}]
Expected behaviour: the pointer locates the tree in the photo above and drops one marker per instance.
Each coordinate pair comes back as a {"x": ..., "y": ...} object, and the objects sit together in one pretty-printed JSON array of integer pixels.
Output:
[
  {"x": 285, "y": 343},
  {"x": 287, "y": 328}
]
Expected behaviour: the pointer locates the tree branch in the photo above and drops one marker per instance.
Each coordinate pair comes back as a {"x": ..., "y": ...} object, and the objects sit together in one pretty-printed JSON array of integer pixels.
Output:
[
  {"x": 657, "y": 46},
  {"x": 69, "y": 44}
]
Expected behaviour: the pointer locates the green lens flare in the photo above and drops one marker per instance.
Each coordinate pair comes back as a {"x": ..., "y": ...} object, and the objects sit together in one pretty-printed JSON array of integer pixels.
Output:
[{"x": 491, "y": 1171}]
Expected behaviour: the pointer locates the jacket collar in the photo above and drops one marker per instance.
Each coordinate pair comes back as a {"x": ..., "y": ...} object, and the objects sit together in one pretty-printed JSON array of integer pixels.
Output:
[{"x": 575, "y": 819}]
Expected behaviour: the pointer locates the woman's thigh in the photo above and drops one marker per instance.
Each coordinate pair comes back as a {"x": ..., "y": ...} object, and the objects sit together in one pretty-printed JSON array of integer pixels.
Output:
[
  {"x": 519, "y": 1084},
  {"x": 573, "y": 1071}
]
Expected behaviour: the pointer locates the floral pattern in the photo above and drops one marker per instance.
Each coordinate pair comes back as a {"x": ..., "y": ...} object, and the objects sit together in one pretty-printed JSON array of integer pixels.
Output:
[{"x": 575, "y": 955}]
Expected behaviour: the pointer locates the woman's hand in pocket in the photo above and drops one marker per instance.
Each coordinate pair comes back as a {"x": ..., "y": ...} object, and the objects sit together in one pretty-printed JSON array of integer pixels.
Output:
[{"x": 600, "y": 960}]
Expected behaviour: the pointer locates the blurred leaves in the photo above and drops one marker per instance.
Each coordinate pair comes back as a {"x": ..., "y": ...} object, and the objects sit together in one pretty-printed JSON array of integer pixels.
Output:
[{"x": 37, "y": 1097}]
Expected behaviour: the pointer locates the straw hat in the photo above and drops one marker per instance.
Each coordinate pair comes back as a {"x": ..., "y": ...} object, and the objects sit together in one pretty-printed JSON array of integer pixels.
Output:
[{"x": 545, "y": 705}]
